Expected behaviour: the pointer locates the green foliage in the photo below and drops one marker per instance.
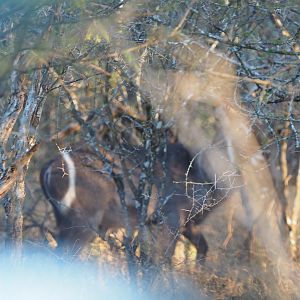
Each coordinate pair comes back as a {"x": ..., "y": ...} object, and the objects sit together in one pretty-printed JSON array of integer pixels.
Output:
[
  {"x": 6, "y": 65},
  {"x": 10, "y": 7}
]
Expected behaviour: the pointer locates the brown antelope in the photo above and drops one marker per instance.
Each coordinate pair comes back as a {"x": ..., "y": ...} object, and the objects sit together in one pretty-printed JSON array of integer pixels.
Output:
[{"x": 83, "y": 192}]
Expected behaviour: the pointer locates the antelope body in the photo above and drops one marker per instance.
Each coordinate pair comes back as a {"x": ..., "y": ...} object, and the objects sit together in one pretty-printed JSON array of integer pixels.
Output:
[{"x": 83, "y": 192}]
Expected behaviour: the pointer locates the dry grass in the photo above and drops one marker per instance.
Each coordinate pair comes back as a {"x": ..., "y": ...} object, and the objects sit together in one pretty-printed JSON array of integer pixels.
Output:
[{"x": 230, "y": 272}]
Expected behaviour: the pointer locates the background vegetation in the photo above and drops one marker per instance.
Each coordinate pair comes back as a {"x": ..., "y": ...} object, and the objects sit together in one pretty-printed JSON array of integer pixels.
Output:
[{"x": 222, "y": 75}]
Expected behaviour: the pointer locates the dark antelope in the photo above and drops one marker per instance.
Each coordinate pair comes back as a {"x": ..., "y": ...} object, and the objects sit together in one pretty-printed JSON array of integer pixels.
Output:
[{"x": 83, "y": 192}]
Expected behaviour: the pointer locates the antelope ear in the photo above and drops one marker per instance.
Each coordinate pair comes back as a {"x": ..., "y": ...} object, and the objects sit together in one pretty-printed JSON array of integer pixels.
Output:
[
  {"x": 52, "y": 242},
  {"x": 172, "y": 137}
]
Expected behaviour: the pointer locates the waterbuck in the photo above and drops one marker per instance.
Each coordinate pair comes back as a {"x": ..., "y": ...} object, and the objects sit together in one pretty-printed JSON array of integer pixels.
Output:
[{"x": 85, "y": 193}]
